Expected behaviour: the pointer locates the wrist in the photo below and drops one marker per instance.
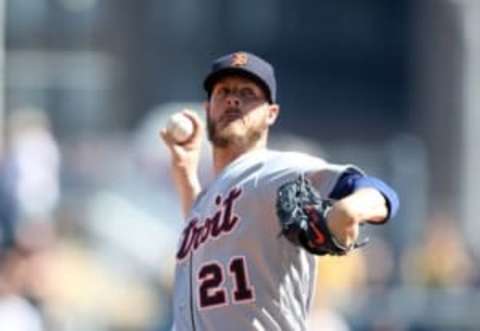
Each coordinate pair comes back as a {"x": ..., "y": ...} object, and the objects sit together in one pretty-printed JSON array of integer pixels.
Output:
[
  {"x": 186, "y": 178},
  {"x": 184, "y": 168},
  {"x": 343, "y": 222}
]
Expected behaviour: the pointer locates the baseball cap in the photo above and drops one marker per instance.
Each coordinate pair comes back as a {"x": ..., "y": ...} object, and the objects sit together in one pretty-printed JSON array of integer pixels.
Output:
[{"x": 247, "y": 65}]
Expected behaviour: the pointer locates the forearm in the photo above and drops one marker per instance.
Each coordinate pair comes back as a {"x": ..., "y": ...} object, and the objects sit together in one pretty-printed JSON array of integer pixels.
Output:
[
  {"x": 365, "y": 204},
  {"x": 353, "y": 181},
  {"x": 188, "y": 187}
]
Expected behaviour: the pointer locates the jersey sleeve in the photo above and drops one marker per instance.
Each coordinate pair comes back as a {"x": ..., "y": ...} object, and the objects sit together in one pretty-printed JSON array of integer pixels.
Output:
[
  {"x": 283, "y": 167},
  {"x": 326, "y": 178}
]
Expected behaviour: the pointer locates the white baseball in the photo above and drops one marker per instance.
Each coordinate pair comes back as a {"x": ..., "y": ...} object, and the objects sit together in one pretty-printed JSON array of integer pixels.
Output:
[{"x": 180, "y": 127}]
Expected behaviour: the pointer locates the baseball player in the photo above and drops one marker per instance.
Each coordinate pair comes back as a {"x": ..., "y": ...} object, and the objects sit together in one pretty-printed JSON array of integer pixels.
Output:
[{"x": 245, "y": 257}]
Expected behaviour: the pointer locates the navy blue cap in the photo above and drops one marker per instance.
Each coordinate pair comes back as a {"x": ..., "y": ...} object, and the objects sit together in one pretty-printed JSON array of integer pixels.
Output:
[{"x": 244, "y": 64}]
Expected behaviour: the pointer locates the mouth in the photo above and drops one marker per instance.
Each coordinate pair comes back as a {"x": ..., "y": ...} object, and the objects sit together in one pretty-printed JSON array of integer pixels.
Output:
[{"x": 230, "y": 115}]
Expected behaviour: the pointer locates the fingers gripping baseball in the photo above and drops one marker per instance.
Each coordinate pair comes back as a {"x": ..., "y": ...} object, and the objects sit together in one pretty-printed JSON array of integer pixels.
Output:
[{"x": 183, "y": 136}]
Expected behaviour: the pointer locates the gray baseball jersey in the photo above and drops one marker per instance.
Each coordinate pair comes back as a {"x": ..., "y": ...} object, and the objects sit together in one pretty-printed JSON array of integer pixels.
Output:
[{"x": 234, "y": 272}]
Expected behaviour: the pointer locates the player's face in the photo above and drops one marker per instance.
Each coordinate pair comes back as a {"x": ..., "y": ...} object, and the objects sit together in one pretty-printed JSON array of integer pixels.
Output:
[{"x": 238, "y": 112}]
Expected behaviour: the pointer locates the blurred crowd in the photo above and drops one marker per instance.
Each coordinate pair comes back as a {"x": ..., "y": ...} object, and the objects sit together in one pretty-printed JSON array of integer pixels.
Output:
[{"x": 88, "y": 231}]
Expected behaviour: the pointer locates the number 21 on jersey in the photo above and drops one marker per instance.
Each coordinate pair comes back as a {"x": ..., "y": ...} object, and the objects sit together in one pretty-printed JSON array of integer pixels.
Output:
[{"x": 211, "y": 288}]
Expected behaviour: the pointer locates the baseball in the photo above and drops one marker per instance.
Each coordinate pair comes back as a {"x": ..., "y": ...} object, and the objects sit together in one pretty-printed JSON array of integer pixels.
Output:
[{"x": 180, "y": 127}]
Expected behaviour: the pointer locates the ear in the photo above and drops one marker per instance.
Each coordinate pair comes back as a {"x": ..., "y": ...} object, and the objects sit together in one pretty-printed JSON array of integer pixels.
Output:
[{"x": 272, "y": 113}]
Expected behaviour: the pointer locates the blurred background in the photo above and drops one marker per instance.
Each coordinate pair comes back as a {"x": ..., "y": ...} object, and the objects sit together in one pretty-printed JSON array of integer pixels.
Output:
[{"x": 88, "y": 215}]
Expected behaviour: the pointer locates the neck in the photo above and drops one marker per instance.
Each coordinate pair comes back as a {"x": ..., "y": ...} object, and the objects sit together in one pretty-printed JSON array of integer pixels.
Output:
[{"x": 224, "y": 156}]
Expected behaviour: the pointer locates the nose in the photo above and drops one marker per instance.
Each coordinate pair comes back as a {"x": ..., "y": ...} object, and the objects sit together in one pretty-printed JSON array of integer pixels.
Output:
[{"x": 233, "y": 101}]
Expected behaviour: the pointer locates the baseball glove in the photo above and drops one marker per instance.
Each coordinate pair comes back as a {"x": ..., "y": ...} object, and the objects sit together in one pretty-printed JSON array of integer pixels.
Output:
[{"x": 302, "y": 215}]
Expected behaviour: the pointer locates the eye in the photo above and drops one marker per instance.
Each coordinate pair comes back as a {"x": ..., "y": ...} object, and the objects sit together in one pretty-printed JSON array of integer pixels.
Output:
[
  {"x": 247, "y": 92},
  {"x": 221, "y": 91}
]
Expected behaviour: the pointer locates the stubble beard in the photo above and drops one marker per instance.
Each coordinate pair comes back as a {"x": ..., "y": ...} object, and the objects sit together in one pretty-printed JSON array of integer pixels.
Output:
[{"x": 226, "y": 137}]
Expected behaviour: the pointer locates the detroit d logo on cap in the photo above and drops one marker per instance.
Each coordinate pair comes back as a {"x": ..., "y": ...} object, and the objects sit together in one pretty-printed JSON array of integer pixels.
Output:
[{"x": 239, "y": 59}]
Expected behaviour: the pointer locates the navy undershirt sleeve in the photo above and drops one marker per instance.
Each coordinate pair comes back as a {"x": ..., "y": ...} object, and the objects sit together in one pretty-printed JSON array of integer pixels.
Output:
[{"x": 352, "y": 180}]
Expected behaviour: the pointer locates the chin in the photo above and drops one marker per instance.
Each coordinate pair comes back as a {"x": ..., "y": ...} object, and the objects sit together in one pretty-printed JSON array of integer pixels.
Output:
[
  {"x": 244, "y": 139},
  {"x": 234, "y": 129},
  {"x": 230, "y": 138},
  {"x": 235, "y": 133}
]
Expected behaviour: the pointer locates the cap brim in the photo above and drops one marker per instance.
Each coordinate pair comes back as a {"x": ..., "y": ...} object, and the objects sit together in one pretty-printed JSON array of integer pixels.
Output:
[{"x": 211, "y": 79}]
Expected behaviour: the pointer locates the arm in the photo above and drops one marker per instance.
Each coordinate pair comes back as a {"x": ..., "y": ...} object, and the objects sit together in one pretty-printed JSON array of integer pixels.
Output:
[
  {"x": 346, "y": 215},
  {"x": 360, "y": 199},
  {"x": 188, "y": 187},
  {"x": 185, "y": 159}
]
